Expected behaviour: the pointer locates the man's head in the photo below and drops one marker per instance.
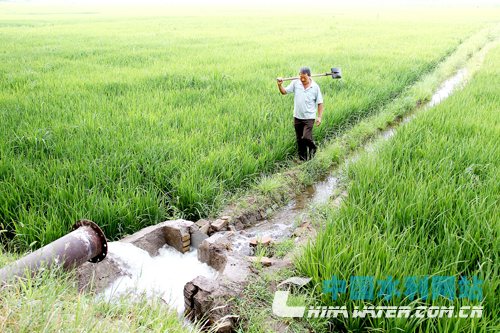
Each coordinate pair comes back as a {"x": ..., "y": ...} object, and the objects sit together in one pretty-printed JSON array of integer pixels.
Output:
[{"x": 305, "y": 75}]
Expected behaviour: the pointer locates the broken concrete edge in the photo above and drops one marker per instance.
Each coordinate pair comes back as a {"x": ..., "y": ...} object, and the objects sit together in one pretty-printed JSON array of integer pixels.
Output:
[
  {"x": 219, "y": 225},
  {"x": 214, "y": 251},
  {"x": 265, "y": 261},
  {"x": 175, "y": 233},
  {"x": 95, "y": 278},
  {"x": 233, "y": 223},
  {"x": 209, "y": 302}
]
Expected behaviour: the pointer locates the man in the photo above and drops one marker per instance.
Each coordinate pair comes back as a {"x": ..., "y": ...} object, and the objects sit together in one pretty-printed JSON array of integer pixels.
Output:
[{"x": 307, "y": 96}]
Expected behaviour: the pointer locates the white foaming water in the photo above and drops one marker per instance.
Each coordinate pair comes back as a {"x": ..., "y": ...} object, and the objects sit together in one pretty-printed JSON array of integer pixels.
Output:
[{"x": 164, "y": 275}]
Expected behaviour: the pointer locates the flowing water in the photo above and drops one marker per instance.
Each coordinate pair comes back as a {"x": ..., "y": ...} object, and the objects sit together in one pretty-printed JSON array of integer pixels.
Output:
[{"x": 164, "y": 275}]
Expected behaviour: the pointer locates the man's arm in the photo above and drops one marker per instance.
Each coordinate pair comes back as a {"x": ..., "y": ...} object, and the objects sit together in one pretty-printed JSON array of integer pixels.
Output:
[
  {"x": 320, "y": 113},
  {"x": 280, "y": 86}
]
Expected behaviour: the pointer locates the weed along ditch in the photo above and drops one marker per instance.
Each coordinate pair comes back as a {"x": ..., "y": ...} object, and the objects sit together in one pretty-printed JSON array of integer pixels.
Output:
[{"x": 200, "y": 268}]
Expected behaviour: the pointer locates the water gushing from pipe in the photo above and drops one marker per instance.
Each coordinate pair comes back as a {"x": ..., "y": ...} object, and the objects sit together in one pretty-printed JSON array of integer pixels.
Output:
[{"x": 164, "y": 275}]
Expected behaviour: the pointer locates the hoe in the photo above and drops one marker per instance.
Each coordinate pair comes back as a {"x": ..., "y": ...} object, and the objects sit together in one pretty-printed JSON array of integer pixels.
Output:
[{"x": 336, "y": 74}]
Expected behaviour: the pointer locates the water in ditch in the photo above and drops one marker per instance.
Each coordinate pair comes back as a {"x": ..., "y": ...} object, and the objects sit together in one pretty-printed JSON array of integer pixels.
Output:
[{"x": 283, "y": 223}]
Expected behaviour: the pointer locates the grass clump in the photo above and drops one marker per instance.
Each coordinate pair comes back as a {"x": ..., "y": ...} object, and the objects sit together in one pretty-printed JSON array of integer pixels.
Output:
[
  {"x": 277, "y": 250},
  {"x": 259, "y": 292}
]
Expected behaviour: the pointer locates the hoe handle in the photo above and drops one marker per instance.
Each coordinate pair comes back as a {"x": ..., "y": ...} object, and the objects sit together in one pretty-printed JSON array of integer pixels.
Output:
[{"x": 315, "y": 75}]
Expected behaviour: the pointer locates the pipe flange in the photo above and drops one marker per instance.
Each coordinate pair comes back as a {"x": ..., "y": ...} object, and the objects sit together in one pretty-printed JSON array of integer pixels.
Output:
[{"x": 102, "y": 237}]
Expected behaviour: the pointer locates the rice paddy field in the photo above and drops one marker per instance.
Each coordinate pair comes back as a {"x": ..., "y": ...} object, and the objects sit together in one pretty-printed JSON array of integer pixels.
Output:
[
  {"x": 425, "y": 204},
  {"x": 129, "y": 117}
]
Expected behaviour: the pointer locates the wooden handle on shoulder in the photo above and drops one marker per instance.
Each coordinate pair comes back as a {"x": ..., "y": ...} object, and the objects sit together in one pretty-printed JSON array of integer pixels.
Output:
[{"x": 315, "y": 75}]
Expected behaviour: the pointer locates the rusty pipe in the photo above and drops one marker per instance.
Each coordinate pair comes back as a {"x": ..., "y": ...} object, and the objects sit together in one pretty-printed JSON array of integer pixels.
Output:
[{"x": 86, "y": 242}]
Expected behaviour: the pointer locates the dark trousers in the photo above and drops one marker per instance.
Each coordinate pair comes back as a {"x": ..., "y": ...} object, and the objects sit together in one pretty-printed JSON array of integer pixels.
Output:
[{"x": 303, "y": 132}]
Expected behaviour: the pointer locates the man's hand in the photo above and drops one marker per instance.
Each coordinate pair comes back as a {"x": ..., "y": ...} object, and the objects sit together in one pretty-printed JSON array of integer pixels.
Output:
[
  {"x": 280, "y": 85},
  {"x": 320, "y": 113}
]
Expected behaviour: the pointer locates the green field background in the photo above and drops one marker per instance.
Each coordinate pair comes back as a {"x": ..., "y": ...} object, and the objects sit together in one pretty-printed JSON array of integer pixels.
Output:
[{"x": 129, "y": 117}]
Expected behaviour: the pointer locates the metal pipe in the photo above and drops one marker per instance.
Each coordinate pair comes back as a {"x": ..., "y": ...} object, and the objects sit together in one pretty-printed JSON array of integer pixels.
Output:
[{"x": 86, "y": 242}]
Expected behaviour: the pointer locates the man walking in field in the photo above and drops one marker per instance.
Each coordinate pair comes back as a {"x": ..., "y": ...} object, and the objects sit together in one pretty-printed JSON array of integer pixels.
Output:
[{"x": 307, "y": 96}]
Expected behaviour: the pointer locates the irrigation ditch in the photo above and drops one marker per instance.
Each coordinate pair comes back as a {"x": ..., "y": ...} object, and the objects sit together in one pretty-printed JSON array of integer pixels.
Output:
[
  {"x": 199, "y": 268},
  {"x": 209, "y": 298}
]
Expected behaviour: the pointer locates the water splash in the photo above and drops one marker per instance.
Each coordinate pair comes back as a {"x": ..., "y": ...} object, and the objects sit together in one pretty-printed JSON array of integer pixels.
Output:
[{"x": 164, "y": 275}]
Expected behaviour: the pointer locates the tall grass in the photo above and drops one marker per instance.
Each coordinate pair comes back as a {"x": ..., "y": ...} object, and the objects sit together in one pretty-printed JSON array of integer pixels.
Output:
[
  {"x": 425, "y": 204},
  {"x": 127, "y": 120}
]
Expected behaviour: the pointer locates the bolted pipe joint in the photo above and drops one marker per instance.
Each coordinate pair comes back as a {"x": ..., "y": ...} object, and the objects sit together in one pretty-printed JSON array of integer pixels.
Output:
[{"x": 86, "y": 242}]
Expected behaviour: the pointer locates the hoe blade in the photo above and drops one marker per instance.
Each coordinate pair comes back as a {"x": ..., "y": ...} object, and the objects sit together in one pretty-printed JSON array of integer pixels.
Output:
[{"x": 336, "y": 73}]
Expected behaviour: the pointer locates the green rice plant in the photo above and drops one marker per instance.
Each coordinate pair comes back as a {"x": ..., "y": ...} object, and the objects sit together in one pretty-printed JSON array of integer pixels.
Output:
[{"x": 425, "y": 204}]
